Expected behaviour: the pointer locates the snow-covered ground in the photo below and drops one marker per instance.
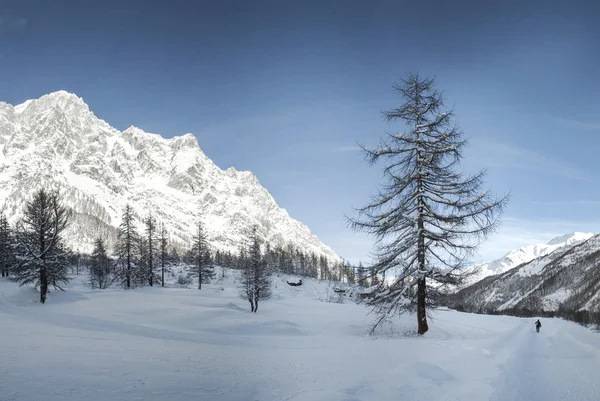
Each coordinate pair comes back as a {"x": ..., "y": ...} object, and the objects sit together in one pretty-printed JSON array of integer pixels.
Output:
[{"x": 187, "y": 344}]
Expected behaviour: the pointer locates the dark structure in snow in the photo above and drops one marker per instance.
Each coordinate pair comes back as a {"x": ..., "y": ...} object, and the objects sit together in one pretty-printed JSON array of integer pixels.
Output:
[{"x": 299, "y": 283}]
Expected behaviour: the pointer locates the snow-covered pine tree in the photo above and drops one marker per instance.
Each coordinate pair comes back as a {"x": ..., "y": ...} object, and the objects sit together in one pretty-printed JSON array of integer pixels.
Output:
[
  {"x": 428, "y": 217},
  {"x": 163, "y": 242},
  {"x": 151, "y": 241},
  {"x": 102, "y": 270},
  {"x": 361, "y": 275},
  {"x": 350, "y": 273},
  {"x": 314, "y": 265},
  {"x": 203, "y": 268},
  {"x": 140, "y": 273},
  {"x": 271, "y": 258},
  {"x": 42, "y": 258},
  {"x": 256, "y": 276},
  {"x": 246, "y": 288},
  {"x": 324, "y": 271},
  {"x": 7, "y": 246},
  {"x": 261, "y": 275},
  {"x": 126, "y": 251}
]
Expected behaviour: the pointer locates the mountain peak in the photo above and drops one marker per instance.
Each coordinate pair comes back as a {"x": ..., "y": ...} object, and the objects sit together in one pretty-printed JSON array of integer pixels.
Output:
[
  {"x": 56, "y": 140},
  {"x": 569, "y": 238},
  {"x": 524, "y": 254}
]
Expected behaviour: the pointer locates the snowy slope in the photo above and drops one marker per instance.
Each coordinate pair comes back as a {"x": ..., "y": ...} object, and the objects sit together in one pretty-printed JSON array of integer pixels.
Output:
[
  {"x": 57, "y": 142},
  {"x": 158, "y": 344},
  {"x": 522, "y": 255},
  {"x": 568, "y": 277}
]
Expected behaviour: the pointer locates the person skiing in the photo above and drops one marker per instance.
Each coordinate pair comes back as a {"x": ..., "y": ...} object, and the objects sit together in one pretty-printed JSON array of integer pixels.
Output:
[{"x": 538, "y": 324}]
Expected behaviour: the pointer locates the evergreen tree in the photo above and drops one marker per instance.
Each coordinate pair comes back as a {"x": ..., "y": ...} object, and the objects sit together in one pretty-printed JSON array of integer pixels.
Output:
[
  {"x": 126, "y": 246},
  {"x": 140, "y": 273},
  {"x": 151, "y": 242},
  {"x": 200, "y": 257},
  {"x": 324, "y": 272},
  {"x": 428, "y": 218},
  {"x": 163, "y": 242},
  {"x": 256, "y": 276},
  {"x": 314, "y": 265},
  {"x": 350, "y": 274},
  {"x": 361, "y": 275},
  {"x": 7, "y": 247},
  {"x": 42, "y": 257},
  {"x": 102, "y": 270}
]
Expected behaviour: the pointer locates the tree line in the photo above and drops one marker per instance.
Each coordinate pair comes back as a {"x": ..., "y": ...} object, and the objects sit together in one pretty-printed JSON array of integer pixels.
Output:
[{"x": 34, "y": 252}]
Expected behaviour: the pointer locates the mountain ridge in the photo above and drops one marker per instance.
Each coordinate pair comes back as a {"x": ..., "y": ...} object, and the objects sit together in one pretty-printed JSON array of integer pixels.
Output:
[
  {"x": 58, "y": 141},
  {"x": 567, "y": 279},
  {"x": 522, "y": 255}
]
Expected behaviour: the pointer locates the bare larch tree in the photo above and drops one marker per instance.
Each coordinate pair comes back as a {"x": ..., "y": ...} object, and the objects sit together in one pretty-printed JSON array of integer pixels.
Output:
[{"x": 428, "y": 217}]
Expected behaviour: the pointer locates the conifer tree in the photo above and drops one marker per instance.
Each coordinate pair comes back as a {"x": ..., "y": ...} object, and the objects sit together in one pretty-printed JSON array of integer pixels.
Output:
[
  {"x": 163, "y": 242},
  {"x": 102, "y": 269},
  {"x": 256, "y": 276},
  {"x": 200, "y": 255},
  {"x": 41, "y": 255},
  {"x": 428, "y": 217},
  {"x": 7, "y": 246},
  {"x": 126, "y": 246},
  {"x": 151, "y": 242}
]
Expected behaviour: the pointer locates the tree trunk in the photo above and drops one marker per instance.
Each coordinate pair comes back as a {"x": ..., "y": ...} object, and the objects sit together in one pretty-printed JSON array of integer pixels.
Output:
[
  {"x": 162, "y": 279},
  {"x": 421, "y": 285},
  {"x": 255, "y": 305},
  {"x": 421, "y": 311},
  {"x": 43, "y": 284},
  {"x": 251, "y": 306},
  {"x": 199, "y": 277}
]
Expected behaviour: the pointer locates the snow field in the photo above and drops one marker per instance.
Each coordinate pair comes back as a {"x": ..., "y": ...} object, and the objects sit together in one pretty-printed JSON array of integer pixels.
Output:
[{"x": 184, "y": 344}]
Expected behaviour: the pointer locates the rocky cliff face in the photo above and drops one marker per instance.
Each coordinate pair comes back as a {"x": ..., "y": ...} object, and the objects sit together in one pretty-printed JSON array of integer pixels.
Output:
[{"x": 56, "y": 142}]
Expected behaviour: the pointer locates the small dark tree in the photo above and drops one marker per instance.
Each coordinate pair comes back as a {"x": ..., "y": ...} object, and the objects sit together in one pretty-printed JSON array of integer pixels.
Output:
[
  {"x": 140, "y": 273},
  {"x": 350, "y": 273},
  {"x": 246, "y": 287},
  {"x": 324, "y": 271},
  {"x": 7, "y": 246},
  {"x": 256, "y": 276},
  {"x": 42, "y": 259},
  {"x": 102, "y": 270},
  {"x": 361, "y": 275},
  {"x": 428, "y": 218},
  {"x": 200, "y": 255},
  {"x": 126, "y": 246},
  {"x": 163, "y": 242},
  {"x": 151, "y": 241}
]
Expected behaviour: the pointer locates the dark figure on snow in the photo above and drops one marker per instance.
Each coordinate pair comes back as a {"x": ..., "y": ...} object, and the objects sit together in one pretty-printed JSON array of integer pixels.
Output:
[
  {"x": 538, "y": 325},
  {"x": 299, "y": 283}
]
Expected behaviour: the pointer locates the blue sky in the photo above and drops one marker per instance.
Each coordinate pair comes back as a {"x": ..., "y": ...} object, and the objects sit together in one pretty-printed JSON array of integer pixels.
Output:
[{"x": 286, "y": 89}]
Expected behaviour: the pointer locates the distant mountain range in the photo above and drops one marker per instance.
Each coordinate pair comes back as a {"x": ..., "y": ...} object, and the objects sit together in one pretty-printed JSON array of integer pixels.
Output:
[
  {"x": 567, "y": 277},
  {"x": 56, "y": 142},
  {"x": 522, "y": 255}
]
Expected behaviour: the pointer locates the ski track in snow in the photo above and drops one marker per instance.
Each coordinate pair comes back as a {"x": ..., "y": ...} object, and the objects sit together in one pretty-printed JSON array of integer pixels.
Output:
[
  {"x": 183, "y": 344},
  {"x": 554, "y": 364}
]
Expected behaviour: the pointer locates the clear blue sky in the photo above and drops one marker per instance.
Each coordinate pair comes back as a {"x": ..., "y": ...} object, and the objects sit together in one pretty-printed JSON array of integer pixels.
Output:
[{"x": 286, "y": 88}]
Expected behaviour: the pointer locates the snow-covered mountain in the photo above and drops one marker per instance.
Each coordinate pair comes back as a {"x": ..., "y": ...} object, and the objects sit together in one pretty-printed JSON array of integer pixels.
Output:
[
  {"x": 522, "y": 255},
  {"x": 568, "y": 278},
  {"x": 56, "y": 142}
]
